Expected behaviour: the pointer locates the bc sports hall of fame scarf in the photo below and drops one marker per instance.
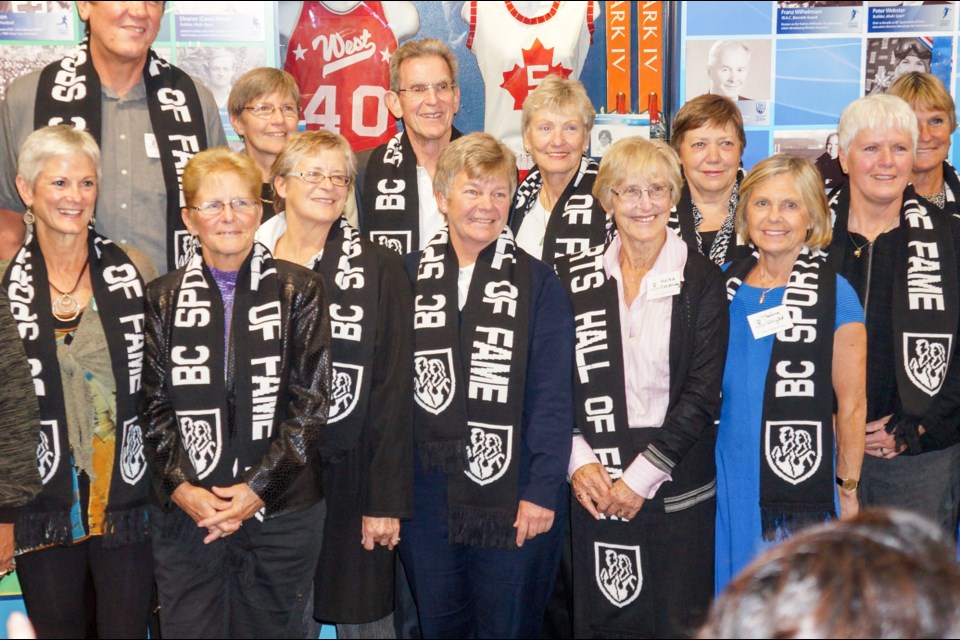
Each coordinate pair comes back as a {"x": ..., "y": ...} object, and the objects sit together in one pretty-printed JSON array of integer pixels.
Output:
[
  {"x": 390, "y": 196},
  {"x": 470, "y": 373},
  {"x": 577, "y": 220},
  {"x": 198, "y": 388},
  {"x": 925, "y": 306},
  {"x": 69, "y": 92},
  {"x": 118, "y": 292}
]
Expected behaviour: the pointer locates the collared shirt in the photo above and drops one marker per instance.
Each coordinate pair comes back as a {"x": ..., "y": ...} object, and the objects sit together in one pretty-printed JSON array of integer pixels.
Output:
[
  {"x": 272, "y": 230},
  {"x": 431, "y": 220},
  {"x": 533, "y": 229},
  {"x": 132, "y": 199},
  {"x": 645, "y": 334}
]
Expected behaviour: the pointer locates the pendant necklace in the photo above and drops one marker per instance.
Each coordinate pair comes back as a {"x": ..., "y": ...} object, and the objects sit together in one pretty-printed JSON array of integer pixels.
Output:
[{"x": 66, "y": 307}]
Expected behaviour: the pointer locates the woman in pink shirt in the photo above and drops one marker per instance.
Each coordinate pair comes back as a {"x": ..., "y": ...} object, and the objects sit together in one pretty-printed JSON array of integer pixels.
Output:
[{"x": 651, "y": 322}]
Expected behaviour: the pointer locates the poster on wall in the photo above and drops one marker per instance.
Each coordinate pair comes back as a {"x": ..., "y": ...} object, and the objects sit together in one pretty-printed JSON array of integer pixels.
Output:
[
  {"x": 37, "y": 21},
  {"x": 812, "y": 58}
]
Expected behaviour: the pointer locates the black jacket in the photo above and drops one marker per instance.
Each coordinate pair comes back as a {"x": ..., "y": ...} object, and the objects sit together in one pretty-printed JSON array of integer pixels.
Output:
[
  {"x": 684, "y": 444},
  {"x": 288, "y": 476}
]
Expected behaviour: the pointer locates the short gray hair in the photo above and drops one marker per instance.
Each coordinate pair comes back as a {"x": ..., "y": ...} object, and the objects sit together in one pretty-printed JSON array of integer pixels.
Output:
[
  {"x": 881, "y": 112},
  {"x": 54, "y": 142}
]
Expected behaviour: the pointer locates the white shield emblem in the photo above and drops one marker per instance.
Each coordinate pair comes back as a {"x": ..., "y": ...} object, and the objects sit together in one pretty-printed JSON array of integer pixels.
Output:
[
  {"x": 398, "y": 241},
  {"x": 345, "y": 390},
  {"x": 793, "y": 448},
  {"x": 202, "y": 438},
  {"x": 435, "y": 381},
  {"x": 48, "y": 450},
  {"x": 181, "y": 248},
  {"x": 926, "y": 356},
  {"x": 618, "y": 572},
  {"x": 132, "y": 461},
  {"x": 488, "y": 452}
]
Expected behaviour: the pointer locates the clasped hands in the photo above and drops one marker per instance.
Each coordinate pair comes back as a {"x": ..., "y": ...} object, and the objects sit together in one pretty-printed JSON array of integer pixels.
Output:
[
  {"x": 599, "y": 494},
  {"x": 221, "y": 511}
]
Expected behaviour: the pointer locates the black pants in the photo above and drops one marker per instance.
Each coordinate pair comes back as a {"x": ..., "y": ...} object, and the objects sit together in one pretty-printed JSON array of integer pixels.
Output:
[
  {"x": 254, "y": 583},
  {"x": 54, "y": 584}
]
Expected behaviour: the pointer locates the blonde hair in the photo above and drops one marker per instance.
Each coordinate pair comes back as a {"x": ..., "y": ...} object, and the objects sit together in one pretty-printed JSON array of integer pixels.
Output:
[
  {"x": 925, "y": 91},
  {"x": 807, "y": 181},
  {"x": 651, "y": 159},
  {"x": 307, "y": 144},
  {"x": 480, "y": 155},
  {"x": 561, "y": 95},
  {"x": 218, "y": 161},
  {"x": 707, "y": 110}
]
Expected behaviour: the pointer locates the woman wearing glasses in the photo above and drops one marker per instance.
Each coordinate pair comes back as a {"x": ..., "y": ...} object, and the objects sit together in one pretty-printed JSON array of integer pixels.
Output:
[
  {"x": 368, "y": 485},
  {"x": 236, "y": 390},
  {"x": 797, "y": 341},
  {"x": 652, "y": 314},
  {"x": 554, "y": 212},
  {"x": 264, "y": 111}
]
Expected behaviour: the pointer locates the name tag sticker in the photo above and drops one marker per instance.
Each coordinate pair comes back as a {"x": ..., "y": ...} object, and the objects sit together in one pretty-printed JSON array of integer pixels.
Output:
[
  {"x": 663, "y": 286},
  {"x": 769, "y": 322},
  {"x": 150, "y": 145}
]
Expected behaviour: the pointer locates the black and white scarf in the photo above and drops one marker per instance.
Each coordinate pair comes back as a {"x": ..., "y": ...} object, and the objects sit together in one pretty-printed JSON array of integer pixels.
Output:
[
  {"x": 470, "y": 372},
  {"x": 118, "y": 292},
  {"x": 688, "y": 226},
  {"x": 350, "y": 273},
  {"x": 69, "y": 92},
  {"x": 226, "y": 428},
  {"x": 797, "y": 444},
  {"x": 391, "y": 197},
  {"x": 577, "y": 220},
  {"x": 951, "y": 190},
  {"x": 925, "y": 306}
]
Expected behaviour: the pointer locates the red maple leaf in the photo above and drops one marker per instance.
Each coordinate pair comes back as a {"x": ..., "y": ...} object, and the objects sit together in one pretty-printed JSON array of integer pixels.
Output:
[{"x": 537, "y": 65}]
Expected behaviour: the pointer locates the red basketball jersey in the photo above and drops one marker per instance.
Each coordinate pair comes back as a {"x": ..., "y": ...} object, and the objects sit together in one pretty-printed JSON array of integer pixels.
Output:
[{"x": 341, "y": 62}]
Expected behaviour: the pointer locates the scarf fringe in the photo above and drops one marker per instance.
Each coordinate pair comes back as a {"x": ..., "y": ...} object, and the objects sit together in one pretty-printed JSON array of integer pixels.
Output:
[
  {"x": 480, "y": 527},
  {"x": 125, "y": 527},
  {"x": 780, "y": 521},
  {"x": 43, "y": 528},
  {"x": 447, "y": 456}
]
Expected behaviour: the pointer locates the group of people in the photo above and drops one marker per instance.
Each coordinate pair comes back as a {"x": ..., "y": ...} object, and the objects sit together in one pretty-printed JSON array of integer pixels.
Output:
[{"x": 257, "y": 378}]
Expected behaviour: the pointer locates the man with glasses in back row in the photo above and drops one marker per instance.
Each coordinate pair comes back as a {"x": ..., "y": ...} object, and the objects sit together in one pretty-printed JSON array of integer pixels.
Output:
[
  {"x": 395, "y": 180},
  {"x": 148, "y": 116}
]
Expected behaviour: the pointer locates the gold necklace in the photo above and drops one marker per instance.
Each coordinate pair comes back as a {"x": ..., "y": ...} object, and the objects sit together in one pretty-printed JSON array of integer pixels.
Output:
[
  {"x": 66, "y": 308},
  {"x": 858, "y": 248},
  {"x": 764, "y": 292}
]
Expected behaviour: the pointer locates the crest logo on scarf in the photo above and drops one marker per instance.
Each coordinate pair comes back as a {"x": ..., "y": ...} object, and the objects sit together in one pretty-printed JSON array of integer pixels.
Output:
[
  {"x": 927, "y": 356},
  {"x": 488, "y": 452},
  {"x": 345, "y": 386},
  {"x": 618, "y": 572},
  {"x": 48, "y": 450},
  {"x": 793, "y": 448},
  {"x": 434, "y": 383},
  {"x": 202, "y": 438},
  {"x": 398, "y": 241},
  {"x": 132, "y": 461}
]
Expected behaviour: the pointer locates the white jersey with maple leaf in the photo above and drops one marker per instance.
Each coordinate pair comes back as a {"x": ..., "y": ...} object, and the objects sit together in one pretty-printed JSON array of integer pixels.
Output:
[
  {"x": 515, "y": 53},
  {"x": 341, "y": 62}
]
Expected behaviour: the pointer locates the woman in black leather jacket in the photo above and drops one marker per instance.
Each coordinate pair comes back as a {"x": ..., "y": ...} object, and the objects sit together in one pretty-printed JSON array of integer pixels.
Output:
[
  {"x": 651, "y": 339},
  {"x": 235, "y": 391}
]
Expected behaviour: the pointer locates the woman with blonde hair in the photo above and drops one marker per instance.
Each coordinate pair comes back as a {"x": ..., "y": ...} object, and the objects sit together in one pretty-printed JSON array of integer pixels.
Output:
[{"x": 797, "y": 340}]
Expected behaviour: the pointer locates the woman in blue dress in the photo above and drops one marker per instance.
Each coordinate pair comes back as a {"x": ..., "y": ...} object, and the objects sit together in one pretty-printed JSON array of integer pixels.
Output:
[{"x": 797, "y": 340}]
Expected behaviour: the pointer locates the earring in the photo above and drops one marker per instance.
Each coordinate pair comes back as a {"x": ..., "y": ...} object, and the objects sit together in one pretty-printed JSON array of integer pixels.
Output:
[
  {"x": 29, "y": 217},
  {"x": 93, "y": 221}
]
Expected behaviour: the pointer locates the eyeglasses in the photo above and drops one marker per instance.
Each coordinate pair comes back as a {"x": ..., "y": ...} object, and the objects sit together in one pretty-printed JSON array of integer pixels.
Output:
[
  {"x": 631, "y": 195},
  {"x": 315, "y": 177},
  {"x": 420, "y": 90},
  {"x": 241, "y": 206},
  {"x": 265, "y": 111}
]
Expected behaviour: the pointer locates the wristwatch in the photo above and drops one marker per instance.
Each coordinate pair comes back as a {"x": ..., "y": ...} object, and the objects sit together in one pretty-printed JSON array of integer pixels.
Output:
[{"x": 848, "y": 484}]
